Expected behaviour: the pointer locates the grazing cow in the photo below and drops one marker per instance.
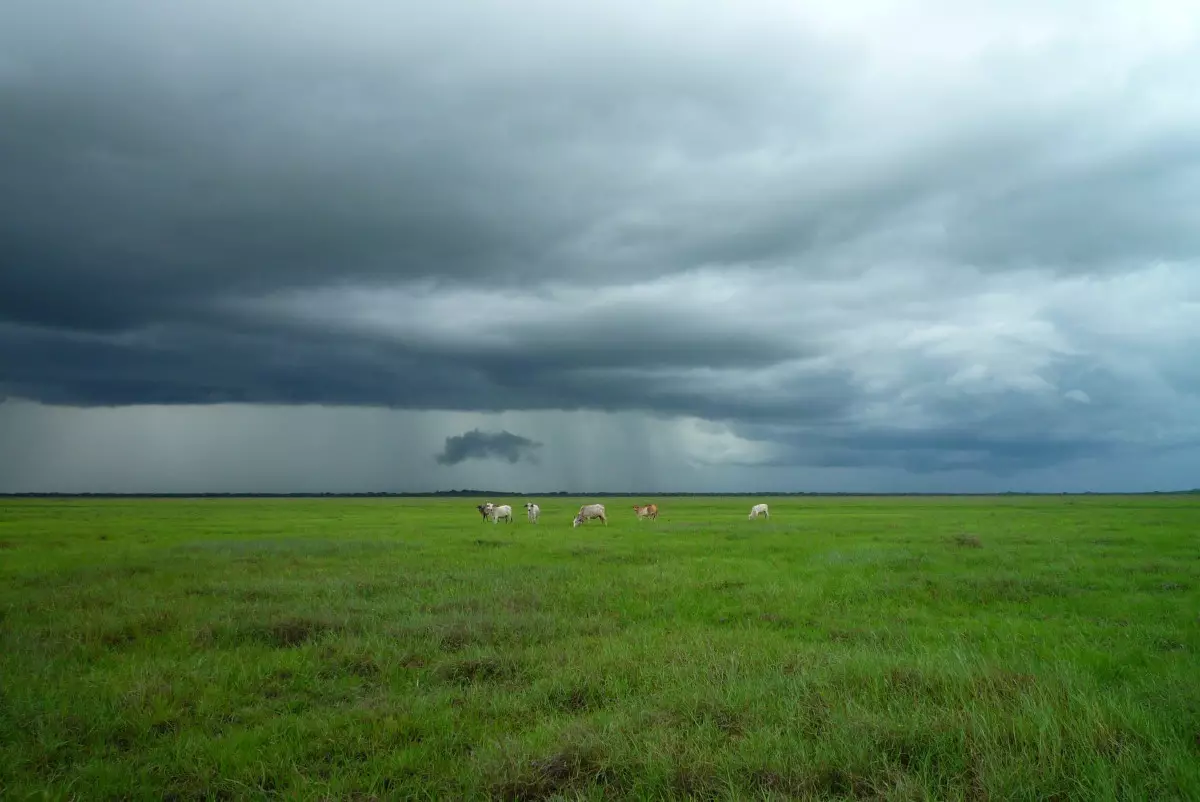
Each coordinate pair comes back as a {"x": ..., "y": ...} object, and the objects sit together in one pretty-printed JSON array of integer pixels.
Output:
[
  {"x": 648, "y": 511},
  {"x": 758, "y": 509},
  {"x": 589, "y": 511},
  {"x": 533, "y": 511},
  {"x": 485, "y": 509},
  {"x": 503, "y": 511}
]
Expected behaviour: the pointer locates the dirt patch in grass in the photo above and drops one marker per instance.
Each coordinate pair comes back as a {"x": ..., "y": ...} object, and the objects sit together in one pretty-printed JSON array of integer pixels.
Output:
[
  {"x": 1113, "y": 541},
  {"x": 476, "y": 670},
  {"x": 1010, "y": 589},
  {"x": 620, "y": 558},
  {"x": 596, "y": 625},
  {"x": 412, "y": 661},
  {"x": 776, "y": 621},
  {"x": 802, "y": 663},
  {"x": 276, "y": 684},
  {"x": 827, "y": 782},
  {"x": 904, "y": 750},
  {"x": 696, "y": 782},
  {"x": 165, "y": 727},
  {"x": 360, "y": 665},
  {"x": 478, "y": 605},
  {"x": 1003, "y": 685},
  {"x": 577, "y": 698},
  {"x": 854, "y": 636},
  {"x": 834, "y": 781},
  {"x": 456, "y": 638},
  {"x": 1113, "y": 742},
  {"x": 281, "y": 633},
  {"x": 256, "y": 595},
  {"x": 504, "y": 631},
  {"x": 1169, "y": 645},
  {"x": 727, "y": 585},
  {"x": 565, "y": 773},
  {"x": 125, "y": 634},
  {"x": 724, "y": 718},
  {"x": 967, "y": 541},
  {"x": 751, "y": 618},
  {"x": 197, "y": 786},
  {"x": 290, "y": 632},
  {"x": 205, "y": 591},
  {"x": 916, "y": 684},
  {"x": 472, "y": 605},
  {"x": 371, "y": 590},
  {"x": 519, "y": 603}
]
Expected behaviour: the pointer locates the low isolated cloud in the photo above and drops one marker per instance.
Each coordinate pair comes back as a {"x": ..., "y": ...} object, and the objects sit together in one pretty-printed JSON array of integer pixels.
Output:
[{"x": 476, "y": 444}]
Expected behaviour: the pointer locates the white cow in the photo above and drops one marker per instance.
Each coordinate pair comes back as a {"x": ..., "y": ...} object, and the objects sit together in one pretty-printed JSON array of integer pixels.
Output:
[
  {"x": 503, "y": 511},
  {"x": 533, "y": 511},
  {"x": 759, "y": 509},
  {"x": 589, "y": 511}
]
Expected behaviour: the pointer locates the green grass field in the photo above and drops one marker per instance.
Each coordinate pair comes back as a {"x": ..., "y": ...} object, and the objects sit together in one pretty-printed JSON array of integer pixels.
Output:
[{"x": 990, "y": 648}]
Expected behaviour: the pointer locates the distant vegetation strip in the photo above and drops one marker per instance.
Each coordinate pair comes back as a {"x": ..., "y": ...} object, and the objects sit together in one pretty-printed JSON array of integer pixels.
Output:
[{"x": 598, "y": 494}]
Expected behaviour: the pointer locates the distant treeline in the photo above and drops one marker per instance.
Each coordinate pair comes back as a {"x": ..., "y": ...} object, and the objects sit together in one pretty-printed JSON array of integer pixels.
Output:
[{"x": 507, "y": 493}]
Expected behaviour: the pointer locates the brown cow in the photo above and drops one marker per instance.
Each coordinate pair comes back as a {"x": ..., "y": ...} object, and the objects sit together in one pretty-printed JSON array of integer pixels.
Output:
[{"x": 648, "y": 511}]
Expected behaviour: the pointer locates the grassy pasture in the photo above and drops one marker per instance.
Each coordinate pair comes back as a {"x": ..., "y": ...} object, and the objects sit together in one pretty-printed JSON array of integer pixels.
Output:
[{"x": 990, "y": 648}]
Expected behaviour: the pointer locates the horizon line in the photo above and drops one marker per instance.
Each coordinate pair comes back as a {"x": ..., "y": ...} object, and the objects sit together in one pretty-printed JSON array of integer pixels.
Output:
[{"x": 565, "y": 494}]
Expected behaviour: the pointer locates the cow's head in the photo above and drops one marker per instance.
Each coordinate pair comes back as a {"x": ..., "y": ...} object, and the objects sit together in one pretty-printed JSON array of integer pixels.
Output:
[{"x": 578, "y": 520}]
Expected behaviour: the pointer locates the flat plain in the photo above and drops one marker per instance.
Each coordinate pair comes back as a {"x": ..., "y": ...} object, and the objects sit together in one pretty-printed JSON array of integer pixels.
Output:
[{"x": 1003, "y": 648}]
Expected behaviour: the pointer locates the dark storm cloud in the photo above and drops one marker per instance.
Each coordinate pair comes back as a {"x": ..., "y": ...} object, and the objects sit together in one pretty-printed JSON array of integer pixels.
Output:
[
  {"x": 256, "y": 158},
  {"x": 1132, "y": 206},
  {"x": 862, "y": 240},
  {"x": 1002, "y": 452},
  {"x": 283, "y": 365},
  {"x": 481, "y": 445}
]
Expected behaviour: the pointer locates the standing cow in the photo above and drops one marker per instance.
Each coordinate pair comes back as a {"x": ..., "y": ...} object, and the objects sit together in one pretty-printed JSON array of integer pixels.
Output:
[
  {"x": 503, "y": 511},
  {"x": 589, "y": 511},
  {"x": 759, "y": 509},
  {"x": 485, "y": 510},
  {"x": 533, "y": 511},
  {"x": 648, "y": 511}
]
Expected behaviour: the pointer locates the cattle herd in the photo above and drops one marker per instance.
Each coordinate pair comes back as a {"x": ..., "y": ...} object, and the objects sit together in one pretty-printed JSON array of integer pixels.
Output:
[{"x": 503, "y": 512}]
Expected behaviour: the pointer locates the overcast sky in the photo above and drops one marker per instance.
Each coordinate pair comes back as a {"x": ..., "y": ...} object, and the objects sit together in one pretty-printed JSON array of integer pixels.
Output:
[{"x": 376, "y": 245}]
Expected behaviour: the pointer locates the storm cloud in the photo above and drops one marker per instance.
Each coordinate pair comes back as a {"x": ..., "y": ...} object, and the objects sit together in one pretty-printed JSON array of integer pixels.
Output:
[
  {"x": 950, "y": 239},
  {"x": 481, "y": 445}
]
